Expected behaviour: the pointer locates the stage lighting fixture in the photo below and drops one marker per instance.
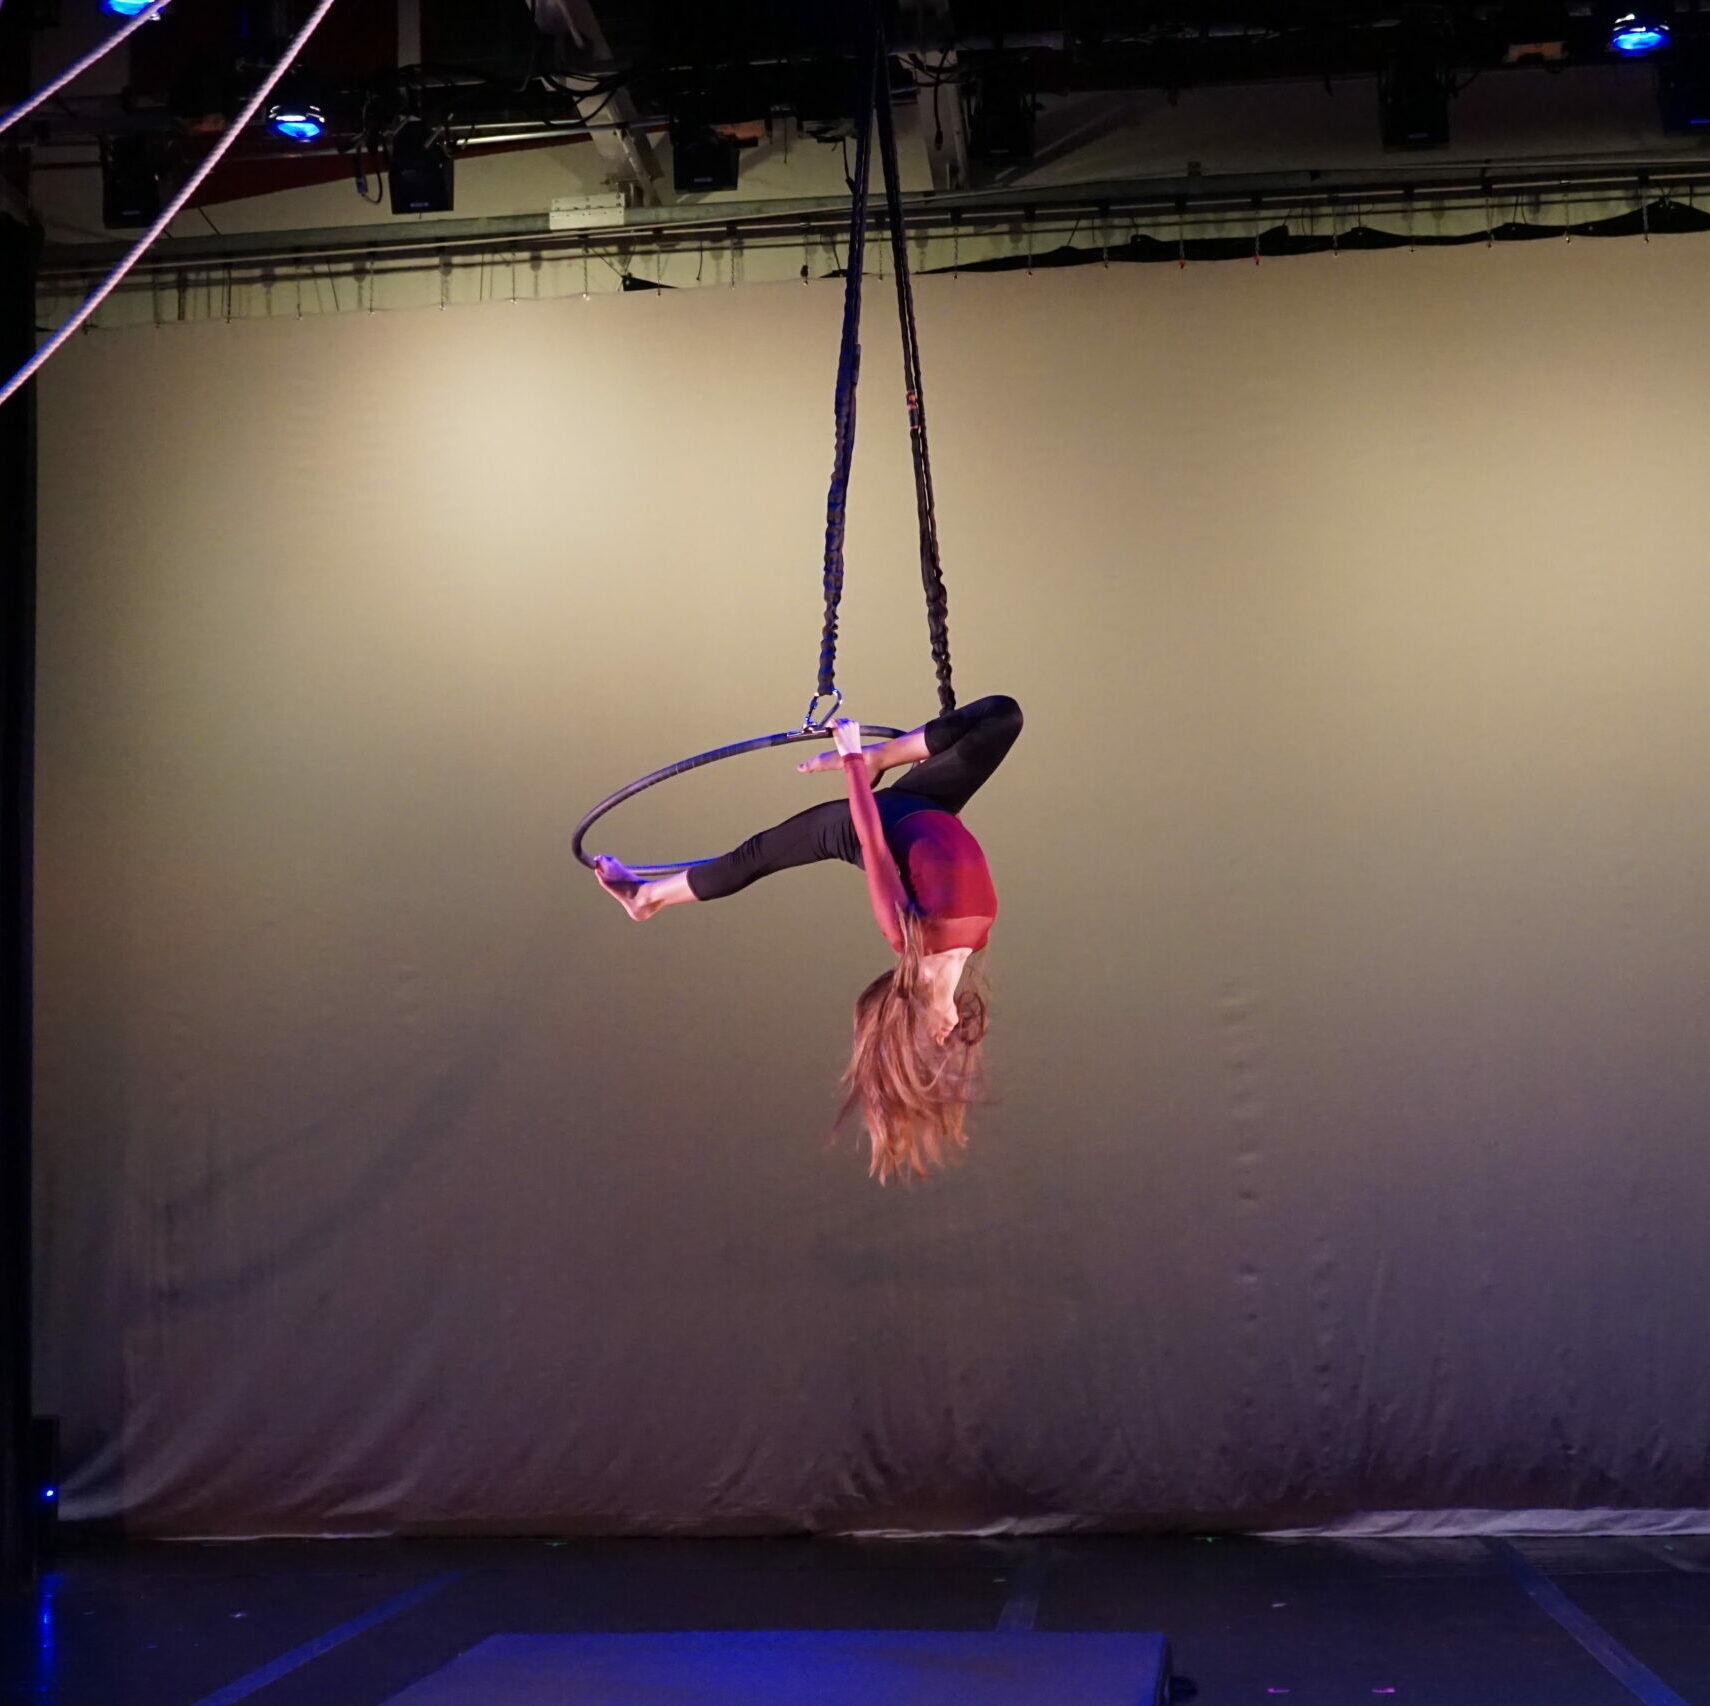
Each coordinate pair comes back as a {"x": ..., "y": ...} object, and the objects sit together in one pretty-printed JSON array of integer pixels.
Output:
[
  {"x": 130, "y": 182},
  {"x": 297, "y": 121},
  {"x": 125, "y": 8},
  {"x": 420, "y": 166},
  {"x": 1683, "y": 89},
  {"x": 1637, "y": 33},
  {"x": 703, "y": 159},
  {"x": 1413, "y": 98},
  {"x": 1000, "y": 112}
]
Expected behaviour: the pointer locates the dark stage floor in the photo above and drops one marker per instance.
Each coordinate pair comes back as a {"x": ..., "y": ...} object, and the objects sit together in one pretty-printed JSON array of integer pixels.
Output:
[{"x": 1272, "y": 1623}]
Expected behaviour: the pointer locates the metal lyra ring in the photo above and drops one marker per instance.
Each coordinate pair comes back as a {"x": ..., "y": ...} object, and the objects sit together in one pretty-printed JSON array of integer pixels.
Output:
[{"x": 760, "y": 743}]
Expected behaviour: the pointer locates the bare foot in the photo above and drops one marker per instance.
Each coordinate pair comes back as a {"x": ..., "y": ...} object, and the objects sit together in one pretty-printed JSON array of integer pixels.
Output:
[{"x": 625, "y": 887}]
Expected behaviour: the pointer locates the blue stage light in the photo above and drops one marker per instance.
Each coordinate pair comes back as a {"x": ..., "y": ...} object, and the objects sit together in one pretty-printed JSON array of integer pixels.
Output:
[
  {"x": 297, "y": 121},
  {"x": 50, "y": 1492},
  {"x": 125, "y": 8},
  {"x": 1636, "y": 33}
]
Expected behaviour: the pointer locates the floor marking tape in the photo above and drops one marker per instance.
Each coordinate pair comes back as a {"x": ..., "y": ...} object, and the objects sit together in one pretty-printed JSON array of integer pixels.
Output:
[
  {"x": 1637, "y": 1678},
  {"x": 257, "y": 1680},
  {"x": 1021, "y": 1610}
]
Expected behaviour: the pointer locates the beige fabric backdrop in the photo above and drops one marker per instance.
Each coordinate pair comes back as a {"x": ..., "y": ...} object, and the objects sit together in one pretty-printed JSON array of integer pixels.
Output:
[{"x": 1348, "y": 1148}]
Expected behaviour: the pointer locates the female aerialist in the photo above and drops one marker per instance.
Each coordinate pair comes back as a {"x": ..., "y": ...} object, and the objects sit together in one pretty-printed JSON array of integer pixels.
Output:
[{"x": 915, "y": 1066}]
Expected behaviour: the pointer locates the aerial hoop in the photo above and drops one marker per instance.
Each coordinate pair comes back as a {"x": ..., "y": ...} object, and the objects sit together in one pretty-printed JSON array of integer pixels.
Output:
[
  {"x": 812, "y": 731},
  {"x": 873, "y": 114}
]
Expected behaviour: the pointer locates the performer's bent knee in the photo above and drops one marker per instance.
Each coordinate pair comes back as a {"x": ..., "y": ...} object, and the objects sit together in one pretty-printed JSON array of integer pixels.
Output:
[
  {"x": 997, "y": 713},
  {"x": 998, "y": 708}
]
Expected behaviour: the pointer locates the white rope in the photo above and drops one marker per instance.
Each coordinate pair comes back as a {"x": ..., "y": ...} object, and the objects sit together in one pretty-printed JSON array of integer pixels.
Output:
[
  {"x": 92, "y": 57},
  {"x": 172, "y": 209}
]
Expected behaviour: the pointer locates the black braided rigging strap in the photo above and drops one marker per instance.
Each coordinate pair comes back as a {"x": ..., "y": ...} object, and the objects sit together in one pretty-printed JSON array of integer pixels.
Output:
[
  {"x": 875, "y": 100},
  {"x": 931, "y": 575},
  {"x": 848, "y": 374}
]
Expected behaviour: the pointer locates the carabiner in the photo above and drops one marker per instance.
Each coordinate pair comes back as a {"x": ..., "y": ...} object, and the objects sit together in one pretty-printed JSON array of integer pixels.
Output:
[{"x": 812, "y": 727}]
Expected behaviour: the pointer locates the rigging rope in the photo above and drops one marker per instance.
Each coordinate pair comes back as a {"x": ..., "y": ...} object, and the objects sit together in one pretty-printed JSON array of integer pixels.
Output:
[
  {"x": 843, "y": 399},
  {"x": 97, "y": 53},
  {"x": 873, "y": 104},
  {"x": 931, "y": 574},
  {"x": 172, "y": 209}
]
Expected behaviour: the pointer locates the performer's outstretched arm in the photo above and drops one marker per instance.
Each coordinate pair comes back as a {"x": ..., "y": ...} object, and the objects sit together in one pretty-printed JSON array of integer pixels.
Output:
[
  {"x": 884, "y": 882},
  {"x": 953, "y": 755},
  {"x": 886, "y": 755}
]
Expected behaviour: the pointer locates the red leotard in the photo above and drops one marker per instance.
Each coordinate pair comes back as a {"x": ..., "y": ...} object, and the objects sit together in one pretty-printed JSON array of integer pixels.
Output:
[
  {"x": 947, "y": 885},
  {"x": 944, "y": 869},
  {"x": 912, "y": 824}
]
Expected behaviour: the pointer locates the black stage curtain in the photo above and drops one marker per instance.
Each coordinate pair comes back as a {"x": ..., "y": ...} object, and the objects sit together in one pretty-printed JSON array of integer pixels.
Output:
[{"x": 17, "y": 691}]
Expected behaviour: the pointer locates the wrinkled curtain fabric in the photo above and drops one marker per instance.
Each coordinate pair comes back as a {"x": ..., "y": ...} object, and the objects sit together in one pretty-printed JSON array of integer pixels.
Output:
[{"x": 1346, "y": 1150}]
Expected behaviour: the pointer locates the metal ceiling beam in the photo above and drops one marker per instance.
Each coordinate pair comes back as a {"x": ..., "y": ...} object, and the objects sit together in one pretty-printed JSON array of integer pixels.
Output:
[
  {"x": 630, "y": 162},
  {"x": 1279, "y": 195}
]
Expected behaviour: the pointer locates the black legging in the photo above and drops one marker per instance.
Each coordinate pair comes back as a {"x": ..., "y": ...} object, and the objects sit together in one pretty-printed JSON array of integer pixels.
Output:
[{"x": 965, "y": 747}]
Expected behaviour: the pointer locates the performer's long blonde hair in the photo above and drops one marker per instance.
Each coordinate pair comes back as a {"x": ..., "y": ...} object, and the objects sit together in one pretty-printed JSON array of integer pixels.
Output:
[{"x": 914, "y": 1093}]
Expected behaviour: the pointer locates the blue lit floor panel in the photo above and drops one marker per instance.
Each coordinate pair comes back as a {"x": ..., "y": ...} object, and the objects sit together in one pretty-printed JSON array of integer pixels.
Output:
[{"x": 796, "y": 1668}]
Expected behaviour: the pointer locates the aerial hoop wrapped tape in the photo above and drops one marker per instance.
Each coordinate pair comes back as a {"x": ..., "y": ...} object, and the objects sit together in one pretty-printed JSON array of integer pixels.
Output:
[{"x": 760, "y": 743}]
